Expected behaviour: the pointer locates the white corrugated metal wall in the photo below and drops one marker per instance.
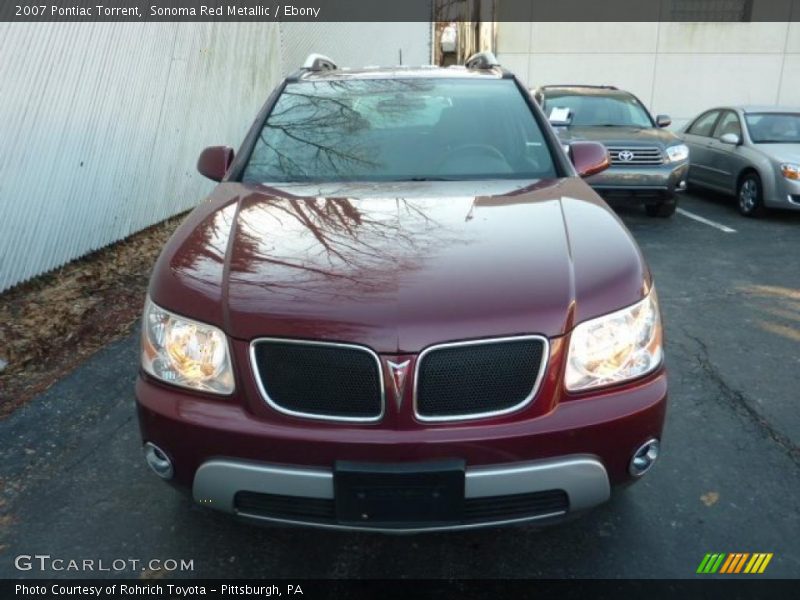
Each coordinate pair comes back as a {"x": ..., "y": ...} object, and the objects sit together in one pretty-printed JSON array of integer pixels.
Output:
[{"x": 101, "y": 125}]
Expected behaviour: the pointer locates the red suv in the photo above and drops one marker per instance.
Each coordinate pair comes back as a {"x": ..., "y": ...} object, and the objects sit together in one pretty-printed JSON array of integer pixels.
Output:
[{"x": 401, "y": 309}]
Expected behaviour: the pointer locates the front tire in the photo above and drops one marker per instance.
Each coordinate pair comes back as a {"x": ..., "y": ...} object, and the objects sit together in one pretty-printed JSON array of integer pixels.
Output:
[
  {"x": 663, "y": 209},
  {"x": 750, "y": 196}
]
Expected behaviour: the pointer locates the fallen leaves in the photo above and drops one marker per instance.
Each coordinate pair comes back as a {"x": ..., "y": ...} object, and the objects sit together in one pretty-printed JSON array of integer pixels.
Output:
[
  {"x": 5, "y": 522},
  {"x": 54, "y": 321},
  {"x": 710, "y": 498}
]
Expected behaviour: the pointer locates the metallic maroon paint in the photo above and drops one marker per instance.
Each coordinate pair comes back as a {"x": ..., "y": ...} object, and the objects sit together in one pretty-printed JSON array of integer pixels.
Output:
[
  {"x": 445, "y": 262},
  {"x": 399, "y": 271},
  {"x": 589, "y": 159},
  {"x": 215, "y": 161}
]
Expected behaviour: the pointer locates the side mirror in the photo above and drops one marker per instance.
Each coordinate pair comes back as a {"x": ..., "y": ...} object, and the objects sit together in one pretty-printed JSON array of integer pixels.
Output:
[
  {"x": 730, "y": 138},
  {"x": 214, "y": 162},
  {"x": 589, "y": 158},
  {"x": 663, "y": 121}
]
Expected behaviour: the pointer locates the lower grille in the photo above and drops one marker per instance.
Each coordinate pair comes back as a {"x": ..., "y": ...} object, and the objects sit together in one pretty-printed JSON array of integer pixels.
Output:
[
  {"x": 635, "y": 155},
  {"x": 319, "y": 379},
  {"x": 516, "y": 506},
  {"x": 293, "y": 508},
  {"x": 476, "y": 510},
  {"x": 481, "y": 378}
]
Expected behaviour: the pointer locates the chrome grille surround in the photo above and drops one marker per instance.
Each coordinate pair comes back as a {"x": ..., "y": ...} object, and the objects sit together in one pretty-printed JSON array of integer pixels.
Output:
[
  {"x": 319, "y": 416},
  {"x": 642, "y": 155},
  {"x": 545, "y": 357}
]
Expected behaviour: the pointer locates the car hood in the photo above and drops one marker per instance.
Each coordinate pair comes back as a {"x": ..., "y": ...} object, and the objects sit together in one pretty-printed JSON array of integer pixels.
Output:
[
  {"x": 782, "y": 152},
  {"x": 399, "y": 267},
  {"x": 617, "y": 135}
]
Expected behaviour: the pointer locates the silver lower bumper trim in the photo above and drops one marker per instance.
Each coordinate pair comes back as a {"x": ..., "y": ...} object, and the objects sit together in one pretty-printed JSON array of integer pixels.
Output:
[{"x": 583, "y": 478}]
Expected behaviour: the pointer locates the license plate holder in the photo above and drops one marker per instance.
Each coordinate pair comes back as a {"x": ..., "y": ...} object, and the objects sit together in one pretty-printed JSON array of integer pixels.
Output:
[{"x": 371, "y": 494}]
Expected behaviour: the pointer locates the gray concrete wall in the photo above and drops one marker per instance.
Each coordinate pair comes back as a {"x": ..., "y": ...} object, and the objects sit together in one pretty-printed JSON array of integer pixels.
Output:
[{"x": 675, "y": 68}]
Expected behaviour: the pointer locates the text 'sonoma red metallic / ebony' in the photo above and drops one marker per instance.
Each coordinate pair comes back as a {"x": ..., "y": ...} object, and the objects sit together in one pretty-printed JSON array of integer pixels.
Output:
[{"x": 401, "y": 309}]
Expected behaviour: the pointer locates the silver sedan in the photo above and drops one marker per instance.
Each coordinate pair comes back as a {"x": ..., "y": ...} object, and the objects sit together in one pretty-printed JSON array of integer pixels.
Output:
[{"x": 752, "y": 152}]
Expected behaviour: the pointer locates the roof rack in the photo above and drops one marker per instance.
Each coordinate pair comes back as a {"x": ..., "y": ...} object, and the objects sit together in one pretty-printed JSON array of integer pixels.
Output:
[
  {"x": 482, "y": 60},
  {"x": 319, "y": 62}
]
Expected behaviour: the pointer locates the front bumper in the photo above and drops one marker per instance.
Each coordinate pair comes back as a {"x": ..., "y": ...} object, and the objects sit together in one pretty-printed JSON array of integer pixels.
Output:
[
  {"x": 582, "y": 478},
  {"x": 647, "y": 184},
  {"x": 579, "y": 448},
  {"x": 786, "y": 194}
]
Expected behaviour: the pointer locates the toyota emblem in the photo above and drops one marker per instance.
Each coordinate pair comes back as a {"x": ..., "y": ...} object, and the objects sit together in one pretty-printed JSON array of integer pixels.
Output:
[{"x": 626, "y": 155}]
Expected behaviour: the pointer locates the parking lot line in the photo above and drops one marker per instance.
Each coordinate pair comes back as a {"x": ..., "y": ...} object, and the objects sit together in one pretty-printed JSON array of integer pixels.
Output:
[{"x": 709, "y": 222}]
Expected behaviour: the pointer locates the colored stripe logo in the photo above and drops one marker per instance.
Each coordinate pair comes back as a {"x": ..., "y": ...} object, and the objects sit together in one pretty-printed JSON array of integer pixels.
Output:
[{"x": 731, "y": 563}]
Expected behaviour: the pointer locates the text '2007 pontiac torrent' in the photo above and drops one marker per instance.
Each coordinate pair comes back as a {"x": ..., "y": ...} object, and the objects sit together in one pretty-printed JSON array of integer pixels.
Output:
[{"x": 401, "y": 309}]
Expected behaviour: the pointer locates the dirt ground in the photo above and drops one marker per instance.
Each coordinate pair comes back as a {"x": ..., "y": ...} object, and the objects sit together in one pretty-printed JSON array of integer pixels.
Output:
[{"x": 50, "y": 323}]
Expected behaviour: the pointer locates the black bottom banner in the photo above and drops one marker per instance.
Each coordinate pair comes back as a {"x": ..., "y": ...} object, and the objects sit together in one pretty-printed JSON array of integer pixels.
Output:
[{"x": 220, "y": 589}]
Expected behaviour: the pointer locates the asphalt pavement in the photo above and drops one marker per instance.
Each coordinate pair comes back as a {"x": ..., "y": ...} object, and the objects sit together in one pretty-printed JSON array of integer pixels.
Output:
[{"x": 73, "y": 484}]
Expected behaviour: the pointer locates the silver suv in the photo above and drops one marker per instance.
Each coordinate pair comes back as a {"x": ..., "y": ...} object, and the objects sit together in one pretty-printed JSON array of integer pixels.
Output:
[{"x": 648, "y": 163}]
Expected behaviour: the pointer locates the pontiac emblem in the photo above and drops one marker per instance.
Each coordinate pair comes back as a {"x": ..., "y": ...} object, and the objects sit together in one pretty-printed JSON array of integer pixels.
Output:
[
  {"x": 398, "y": 371},
  {"x": 626, "y": 155}
]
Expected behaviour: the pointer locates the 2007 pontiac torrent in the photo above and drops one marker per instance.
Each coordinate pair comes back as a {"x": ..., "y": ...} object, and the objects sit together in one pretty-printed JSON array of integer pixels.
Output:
[{"x": 401, "y": 309}]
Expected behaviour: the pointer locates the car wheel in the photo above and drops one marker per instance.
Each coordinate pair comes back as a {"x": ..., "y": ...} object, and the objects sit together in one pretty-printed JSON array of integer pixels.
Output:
[
  {"x": 663, "y": 209},
  {"x": 751, "y": 196}
]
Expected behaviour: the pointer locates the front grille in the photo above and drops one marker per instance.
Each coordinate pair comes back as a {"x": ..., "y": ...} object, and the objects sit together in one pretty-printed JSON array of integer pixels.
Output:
[
  {"x": 319, "y": 379},
  {"x": 480, "y": 378},
  {"x": 639, "y": 155},
  {"x": 476, "y": 510}
]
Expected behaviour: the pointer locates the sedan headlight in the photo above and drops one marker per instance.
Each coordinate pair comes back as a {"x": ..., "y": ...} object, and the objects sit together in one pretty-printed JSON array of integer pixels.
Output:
[
  {"x": 616, "y": 347},
  {"x": 790, "y": 171},
  {"x": 184, "y": 352},
  {"x": 678, "y": 152}
]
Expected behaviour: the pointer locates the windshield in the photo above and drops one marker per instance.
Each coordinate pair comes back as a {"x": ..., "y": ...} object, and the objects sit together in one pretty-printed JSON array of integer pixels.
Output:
[
  {"x": 400, "y": 130},
  {"x": 773, "y": 128},
  {"x": 618, "y": 110}
]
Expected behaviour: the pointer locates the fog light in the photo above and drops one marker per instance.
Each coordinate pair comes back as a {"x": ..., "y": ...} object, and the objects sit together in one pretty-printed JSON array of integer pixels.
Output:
[
  {"x": 158, "y": 461},
  {"x": 644, "y": 458}
]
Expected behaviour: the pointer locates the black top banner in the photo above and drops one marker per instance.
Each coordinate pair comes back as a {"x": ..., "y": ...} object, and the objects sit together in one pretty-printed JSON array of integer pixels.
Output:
[{"x": 400, "y": 10}]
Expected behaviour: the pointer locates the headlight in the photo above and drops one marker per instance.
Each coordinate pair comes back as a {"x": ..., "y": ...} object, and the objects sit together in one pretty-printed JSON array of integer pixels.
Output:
[
  {"x": 678, "y": 153},
  {"x": 617, "y": 347},
  {"x": 790, "y": 171},
  {"x": 184, "y": 352}
]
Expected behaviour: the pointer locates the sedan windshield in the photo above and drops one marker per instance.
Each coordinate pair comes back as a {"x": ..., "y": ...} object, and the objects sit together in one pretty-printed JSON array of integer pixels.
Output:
[
  {"x": 400, "y": 130},
  {"x": 773, "y": 128},
  {"x": 600, "y": 110}
]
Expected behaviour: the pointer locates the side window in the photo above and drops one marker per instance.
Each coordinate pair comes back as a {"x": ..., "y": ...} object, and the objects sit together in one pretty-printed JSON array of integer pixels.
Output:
[
  {"x": 729, "y": 123},
  {"x": 704, "y": 124}
]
